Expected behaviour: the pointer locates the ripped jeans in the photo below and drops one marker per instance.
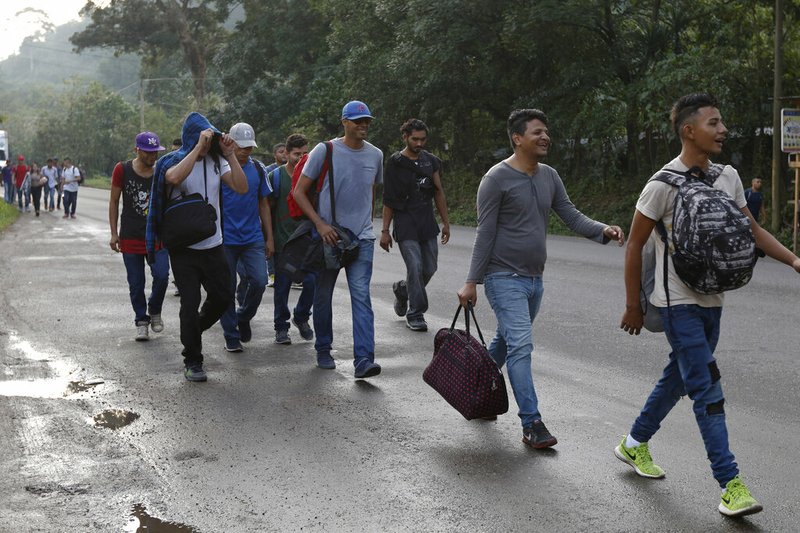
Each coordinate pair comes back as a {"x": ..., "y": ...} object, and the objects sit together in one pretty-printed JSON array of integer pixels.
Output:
[{"x": 692, "y": 332}]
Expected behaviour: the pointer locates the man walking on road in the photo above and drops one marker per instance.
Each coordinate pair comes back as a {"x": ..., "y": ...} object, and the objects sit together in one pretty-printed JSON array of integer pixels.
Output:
[
  {"x": 514, "y": 202},
  {"x": 691, "y": 320},
  {"x": 358, "y": 168},
  {"x": 206, "y": 159},
  {"x": 247, "y": 228},
  {"x": 71, "y": 176},
  {"x": 51, "y": 172},
  {"x": 284, "y": 226},
  {"x": 132, "y": 180},
  {"x": 755, "y": 198},
  {"x": 411, "y": 181}
]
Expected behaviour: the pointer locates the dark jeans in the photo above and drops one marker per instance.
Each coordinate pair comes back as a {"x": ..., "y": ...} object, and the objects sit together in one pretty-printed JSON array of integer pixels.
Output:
[
  {"x": 692, "y": 332},
  {"x": 251, "y": 262},
  {"x": 70, "y": 201},
  {"x": 194, "y": 269},
  {"x": 134, "y": 266},
  {"x": 420, "y": 258},
  {"x": 36, "y": 193},
  {"x": 302, "y": 311}
]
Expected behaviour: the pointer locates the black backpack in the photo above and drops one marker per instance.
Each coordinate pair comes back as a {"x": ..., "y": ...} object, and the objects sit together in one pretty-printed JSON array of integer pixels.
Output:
[{"x": 714, "y": 247}]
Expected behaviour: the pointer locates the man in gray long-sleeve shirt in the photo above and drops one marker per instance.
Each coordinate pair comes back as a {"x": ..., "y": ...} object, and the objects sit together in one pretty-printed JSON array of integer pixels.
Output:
[{"x": 514, "y": 202}]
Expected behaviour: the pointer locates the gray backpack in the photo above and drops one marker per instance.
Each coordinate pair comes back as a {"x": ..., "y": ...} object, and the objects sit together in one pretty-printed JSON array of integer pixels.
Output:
[{"x": 713, "y": 245}]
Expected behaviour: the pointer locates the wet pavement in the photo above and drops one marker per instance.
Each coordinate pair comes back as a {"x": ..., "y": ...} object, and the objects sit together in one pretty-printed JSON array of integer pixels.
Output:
[{"x": 101, "y": 433}]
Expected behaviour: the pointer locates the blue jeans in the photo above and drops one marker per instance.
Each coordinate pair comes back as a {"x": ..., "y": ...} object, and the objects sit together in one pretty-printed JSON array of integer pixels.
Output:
[
  {"x": 302, "y": 311},
  {"x": 515, "y": 301},
  {"x": 359, "y": 275},
  {"x": 134, "y": 265},
  {"x": 49, "y": 192},
  {"x": 420, "y": 258},
  {"x": 23, "y": 192},
  {"x": 252, "y": 260},
  {"x": 70, "y": 201},
  {"x": 692, "y": 332},
  {"x": 8, "y": 191}
]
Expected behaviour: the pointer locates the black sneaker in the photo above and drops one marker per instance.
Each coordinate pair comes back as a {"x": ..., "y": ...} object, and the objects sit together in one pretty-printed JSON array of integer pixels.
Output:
[
  {"x": 282, "y": 337},
  {"x": 416, "y": 324},
  {"x": 195, "y": 373},
  {"x": 305, "y": 330},
  {"x": 400, "y": 298},
  {"x": 245, "y": 333},
  {"x": 537, "y": 436},
  {"x": 234, "y": 346}
]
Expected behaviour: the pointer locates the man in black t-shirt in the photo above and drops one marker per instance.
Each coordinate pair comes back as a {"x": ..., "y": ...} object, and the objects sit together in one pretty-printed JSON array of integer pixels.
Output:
[{"x": 412, "y": 181}]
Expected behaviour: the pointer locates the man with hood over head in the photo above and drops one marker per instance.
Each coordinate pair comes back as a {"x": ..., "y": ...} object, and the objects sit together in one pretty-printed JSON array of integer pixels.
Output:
[{"x": 205, "y": 159}]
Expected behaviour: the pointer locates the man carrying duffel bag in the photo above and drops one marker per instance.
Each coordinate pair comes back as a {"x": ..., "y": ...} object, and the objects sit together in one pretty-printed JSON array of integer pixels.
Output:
[{"x": 514, "y": 202}]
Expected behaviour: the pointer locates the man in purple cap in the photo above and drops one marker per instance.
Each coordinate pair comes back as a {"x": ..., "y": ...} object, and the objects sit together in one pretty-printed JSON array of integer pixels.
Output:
[
  {"x": 132, "y": 180},
  {"x": 358, "y": 168}
]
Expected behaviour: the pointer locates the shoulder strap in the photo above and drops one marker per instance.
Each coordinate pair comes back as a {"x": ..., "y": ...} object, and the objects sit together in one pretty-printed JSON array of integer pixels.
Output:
[{"x": 329, "y": 160}]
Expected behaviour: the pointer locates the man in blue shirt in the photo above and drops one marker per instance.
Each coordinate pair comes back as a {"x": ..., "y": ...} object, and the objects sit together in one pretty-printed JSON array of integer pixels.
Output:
[
  {"x": 754, "y": 198},
  {"x": 248, "y": 240}
]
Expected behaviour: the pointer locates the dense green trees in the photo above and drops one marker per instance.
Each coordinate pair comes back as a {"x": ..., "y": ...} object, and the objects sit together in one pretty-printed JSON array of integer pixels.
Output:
[{"x": 605, "y": 71}]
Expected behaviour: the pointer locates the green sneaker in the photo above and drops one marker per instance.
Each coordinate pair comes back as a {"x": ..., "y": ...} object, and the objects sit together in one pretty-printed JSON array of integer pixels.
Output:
[
  {"x": 737, "y": 500},
  {"x": 639, "y": 458}
]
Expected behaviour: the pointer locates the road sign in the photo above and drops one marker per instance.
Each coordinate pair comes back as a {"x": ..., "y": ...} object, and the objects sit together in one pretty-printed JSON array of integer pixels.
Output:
[{"x": 790, "y": 130}]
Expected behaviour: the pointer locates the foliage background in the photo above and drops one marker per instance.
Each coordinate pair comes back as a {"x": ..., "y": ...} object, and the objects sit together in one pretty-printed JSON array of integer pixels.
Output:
[{"x": 605, "y": 71}]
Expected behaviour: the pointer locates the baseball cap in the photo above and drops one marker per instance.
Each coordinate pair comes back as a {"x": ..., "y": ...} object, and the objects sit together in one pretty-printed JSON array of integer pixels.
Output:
[
  {"x": 20, "y": 158},
  {"x": 147, "y": 141},
  {"x": 355, "y": 110},
  {"x": 243, "y": 135}
]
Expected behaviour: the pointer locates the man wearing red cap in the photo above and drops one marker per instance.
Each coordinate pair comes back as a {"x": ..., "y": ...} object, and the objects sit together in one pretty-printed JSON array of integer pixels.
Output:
[
  {"x": 20, "y": 173},
  {"x": 132, "y": 180}
]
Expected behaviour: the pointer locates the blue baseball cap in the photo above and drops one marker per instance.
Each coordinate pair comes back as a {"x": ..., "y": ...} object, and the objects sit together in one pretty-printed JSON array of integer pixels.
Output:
[{"x": 355, "y": 110}]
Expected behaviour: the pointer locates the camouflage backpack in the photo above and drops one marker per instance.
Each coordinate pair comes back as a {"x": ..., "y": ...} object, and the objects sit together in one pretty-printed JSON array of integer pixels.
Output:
[{"x": 713, "y": 245}]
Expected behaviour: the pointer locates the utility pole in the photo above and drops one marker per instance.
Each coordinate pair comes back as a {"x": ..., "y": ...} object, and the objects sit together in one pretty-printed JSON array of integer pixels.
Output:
[
  {"x": 777, "y": 93},
  {"x": 141, "y": 104}
]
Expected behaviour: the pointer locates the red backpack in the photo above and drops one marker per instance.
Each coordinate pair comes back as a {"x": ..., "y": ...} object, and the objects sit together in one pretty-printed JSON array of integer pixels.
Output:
[{"x": 294, "y": 210}]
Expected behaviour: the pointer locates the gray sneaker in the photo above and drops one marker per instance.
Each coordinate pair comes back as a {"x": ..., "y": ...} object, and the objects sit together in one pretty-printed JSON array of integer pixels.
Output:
[
  {"x": 400, "y": 298},
  {"x": 282, "y": 337},
  {"x": 195, "y": 373},
  {"x": 156, "y": 324},
  {"x": 142, "y": 331}
]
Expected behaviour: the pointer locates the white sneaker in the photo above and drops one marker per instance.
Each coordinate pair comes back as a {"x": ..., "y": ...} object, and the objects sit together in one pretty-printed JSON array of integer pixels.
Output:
[
  {"x": 141, "y": 331},
  {"x": 156, "y": 324},
  {"x": 271, "y": 280}
]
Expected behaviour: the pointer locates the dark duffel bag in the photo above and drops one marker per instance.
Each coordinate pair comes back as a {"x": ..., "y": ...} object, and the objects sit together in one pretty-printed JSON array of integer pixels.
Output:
[
  {"x": 464, "y": 373},
  {"x": 187, "y": 220},
  {"x": 302, "y": 253}
]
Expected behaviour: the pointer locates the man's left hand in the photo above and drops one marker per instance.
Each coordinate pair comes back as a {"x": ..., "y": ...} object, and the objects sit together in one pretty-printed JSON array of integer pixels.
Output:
[
  {"x": 445, "y": 233},
  {"x": 615, "y": 233}
]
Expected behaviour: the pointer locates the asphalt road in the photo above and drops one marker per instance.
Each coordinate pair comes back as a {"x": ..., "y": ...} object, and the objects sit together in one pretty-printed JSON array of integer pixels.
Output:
[{"x": 271, "y": 443}]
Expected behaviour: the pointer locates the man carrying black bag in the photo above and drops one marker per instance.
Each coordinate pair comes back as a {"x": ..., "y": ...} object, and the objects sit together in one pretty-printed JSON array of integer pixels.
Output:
[
  {"x": 514, "y": 202},
  {"x": 205, "y": 159}
]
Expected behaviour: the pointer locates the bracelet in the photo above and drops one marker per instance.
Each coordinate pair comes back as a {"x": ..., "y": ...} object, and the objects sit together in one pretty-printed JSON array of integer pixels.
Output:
[{"x": 384, "y": 231}]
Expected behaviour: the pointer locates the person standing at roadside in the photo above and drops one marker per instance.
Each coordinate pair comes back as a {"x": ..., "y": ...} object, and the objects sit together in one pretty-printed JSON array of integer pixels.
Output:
[
  {"x": 247, "y": 231},
  {"x": 358, "y": 168},
  {"x": 132, "y": 180},
  {"x": 755, "y": 198},
  {"x": 284, "y": 226},
  {"x": 515, "y": 198},
  {"x": 71, "y": 177},
  {"x": 412, "y": 182},
  {"x": 206, "y": 159},
  {"x": 8, "y": 183}
]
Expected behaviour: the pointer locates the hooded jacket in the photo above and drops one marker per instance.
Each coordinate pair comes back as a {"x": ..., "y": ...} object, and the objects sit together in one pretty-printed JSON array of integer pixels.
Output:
[{"x": 194, "y": 124}]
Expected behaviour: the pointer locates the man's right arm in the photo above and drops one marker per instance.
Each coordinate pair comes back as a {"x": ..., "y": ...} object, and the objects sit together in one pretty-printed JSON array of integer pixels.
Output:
[
  {"x": 641, "y": 228},
  {"x": 113, "y": 205},
  {"x": 488, "y": 206}
]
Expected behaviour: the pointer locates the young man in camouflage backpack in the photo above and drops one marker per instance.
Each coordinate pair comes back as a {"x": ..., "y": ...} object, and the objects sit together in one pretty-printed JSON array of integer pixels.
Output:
[{"x": 691, "y": 308}]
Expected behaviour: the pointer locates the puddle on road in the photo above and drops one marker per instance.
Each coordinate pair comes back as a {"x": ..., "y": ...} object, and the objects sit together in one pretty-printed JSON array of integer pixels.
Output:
[
  {"x": 141, "y": 522},
  {"x": 74, "y": 387},
  {"x": 46, "y": 388},
  {"x": 114, "y": 418}
]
